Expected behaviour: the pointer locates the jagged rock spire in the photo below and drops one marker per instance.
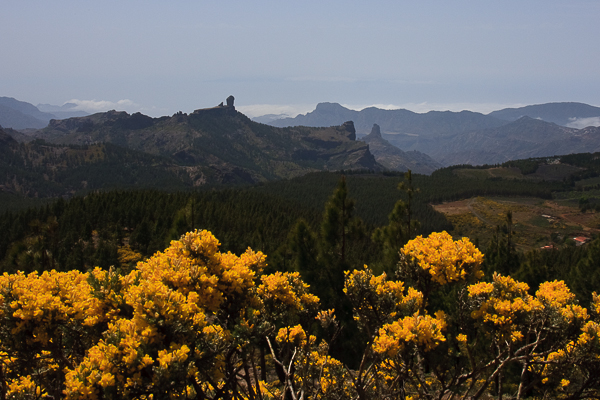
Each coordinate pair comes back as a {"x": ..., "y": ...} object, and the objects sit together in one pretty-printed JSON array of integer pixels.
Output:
[{"x": 375, "y": 131}]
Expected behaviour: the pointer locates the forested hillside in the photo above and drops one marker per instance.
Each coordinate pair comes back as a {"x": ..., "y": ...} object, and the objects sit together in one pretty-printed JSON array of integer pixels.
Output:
[
  {"x": 86, "y": 231},
  {"x": 38, "y": 170},
  {"x": 224, "y": 145},
  {"x": 332, "y": 245},
  {"x": 107, "y": 228}
]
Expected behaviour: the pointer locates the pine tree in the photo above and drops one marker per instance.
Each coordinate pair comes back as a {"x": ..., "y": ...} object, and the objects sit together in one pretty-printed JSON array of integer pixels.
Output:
[{"x": 401, "y": 227}]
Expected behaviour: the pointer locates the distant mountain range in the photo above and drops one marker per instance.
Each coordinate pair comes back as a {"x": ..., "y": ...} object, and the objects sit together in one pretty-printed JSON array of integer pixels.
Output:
[
  {"x": 22, "y": 115},
  {"x": 224, "y": 146},
  {"x": 435, "y": 122},
  {"x": 471, "y": 138},
  {"x": 207, "y": 147},
  {"x": 268, "y": 118},
  {"x": 571, "y": 115},
  {"x": 67, "y": 110},
  {"x": 432, "y": 123},
  {"x": 523, "y": 138}
]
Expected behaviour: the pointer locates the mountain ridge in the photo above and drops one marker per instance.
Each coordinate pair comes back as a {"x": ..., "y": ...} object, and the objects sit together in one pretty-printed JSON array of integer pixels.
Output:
[
  {"x": 225, "y": 145},
  {"x": 21, "y": 115},
  {"x": 520, "y": 139},
  {"x": 396, "y": 121},
  {"x": 560, "y": 113},
  {"x": 471, "y": 138}
]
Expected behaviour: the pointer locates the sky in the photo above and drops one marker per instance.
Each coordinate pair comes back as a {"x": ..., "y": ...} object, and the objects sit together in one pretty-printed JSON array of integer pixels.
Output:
[{"x": 280, "y": 57}]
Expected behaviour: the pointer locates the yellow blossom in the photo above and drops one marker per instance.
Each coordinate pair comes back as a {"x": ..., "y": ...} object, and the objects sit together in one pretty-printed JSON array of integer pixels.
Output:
[{"x": 446, "y": 260}]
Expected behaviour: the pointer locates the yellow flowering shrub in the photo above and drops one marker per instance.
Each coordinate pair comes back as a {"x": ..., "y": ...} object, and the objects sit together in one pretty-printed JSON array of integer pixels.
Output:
[
  {"x": 446, "y": 260},
  {"x": 24, "y": 387},
  {"x": 177, "y": 321},
  {"x": 596, "y": 303},
  {"x": 128, "y": 256},
  {"x": 503, "y": 306},
  {"x": 294, "y": 335},
  {"x": 334, "y": 381},
  {"x": 281, "y": 293},
  {"x": 556, "y": 296},
  {"x": 48, "y": 320},
  {"x": 575, "y": 360},
  {"x": 316, "y": 374},
  {"x": 192, "y": 322},
  {"x": 422, "y": 331},
  {"x": 377, "y": 300},
  {"x": 506, "y": 306}
]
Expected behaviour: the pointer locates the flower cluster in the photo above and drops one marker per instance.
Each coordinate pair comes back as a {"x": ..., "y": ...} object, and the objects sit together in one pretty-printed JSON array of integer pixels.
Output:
[
  {"x": 377, "y": 300},
  {"x": 293, "y": 335},
  {"x": 446, "y": 260},
  {"x": 422, "y": 331}
]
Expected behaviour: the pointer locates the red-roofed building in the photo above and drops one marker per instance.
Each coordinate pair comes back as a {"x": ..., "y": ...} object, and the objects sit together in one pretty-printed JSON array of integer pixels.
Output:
[{"x": 579, "y": 240}]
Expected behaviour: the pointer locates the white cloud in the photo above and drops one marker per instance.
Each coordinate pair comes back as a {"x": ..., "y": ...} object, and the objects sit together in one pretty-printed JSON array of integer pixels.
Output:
[
  {"x": 94, "y": 106},
  {"x": 580, "y": 123}
]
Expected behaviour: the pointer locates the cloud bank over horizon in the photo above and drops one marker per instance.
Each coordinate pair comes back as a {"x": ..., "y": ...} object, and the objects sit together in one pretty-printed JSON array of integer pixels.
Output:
[
  {"x": 94, "y": 106},
  {"x": 580, "y": 123},
  {"x": 129, "y": 106}
]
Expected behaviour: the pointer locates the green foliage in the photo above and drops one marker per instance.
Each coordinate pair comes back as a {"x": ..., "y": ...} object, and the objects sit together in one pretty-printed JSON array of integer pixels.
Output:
[
  {"x": 336, "y": 225},
  {"x": 501, "y": 255},
  {"x": 375, "y": 195},
  {"x": 528, "y": 166},
  {"x": 89, "y": 230},
  {"x": 401, "y": 226},
  {"x": 444, "y": 185}
]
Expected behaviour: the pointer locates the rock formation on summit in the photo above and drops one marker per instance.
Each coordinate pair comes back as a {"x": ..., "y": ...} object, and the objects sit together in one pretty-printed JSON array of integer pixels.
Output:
[{"x": 230, "y": 100}]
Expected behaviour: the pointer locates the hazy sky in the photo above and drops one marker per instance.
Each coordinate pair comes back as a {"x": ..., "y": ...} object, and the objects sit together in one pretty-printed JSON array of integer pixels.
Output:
[{"x": 160, "y": 57}]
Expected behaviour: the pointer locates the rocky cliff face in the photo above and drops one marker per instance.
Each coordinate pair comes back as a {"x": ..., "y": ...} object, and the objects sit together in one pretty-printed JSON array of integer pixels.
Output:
[{"x": 395, "y": 159}]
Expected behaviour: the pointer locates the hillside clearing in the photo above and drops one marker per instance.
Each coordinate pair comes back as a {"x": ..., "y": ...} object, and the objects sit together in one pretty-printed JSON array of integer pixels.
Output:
[{"x": 536, "y": 222}]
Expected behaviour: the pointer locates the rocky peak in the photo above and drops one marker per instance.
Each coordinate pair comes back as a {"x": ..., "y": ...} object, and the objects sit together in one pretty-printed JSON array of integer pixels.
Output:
[
  {"x": 221, "y": 109},
  {"x": 375, "y": 132},
  {"x": 329, "y": 107},
  {"x": 230, "y": 100},
  {"x": 348, "y": 126}
]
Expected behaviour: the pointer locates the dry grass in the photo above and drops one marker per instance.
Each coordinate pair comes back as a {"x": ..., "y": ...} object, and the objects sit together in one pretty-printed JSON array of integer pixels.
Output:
[{"x": 478, "y": 218}]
